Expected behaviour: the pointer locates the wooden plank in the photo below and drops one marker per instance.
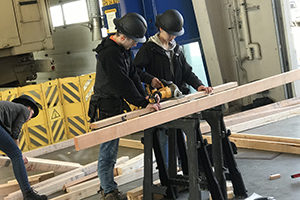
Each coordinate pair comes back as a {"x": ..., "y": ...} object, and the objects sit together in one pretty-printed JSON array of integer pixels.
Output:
[
  {"x": 41, "y": 177},
  {"x": 166, "y": 115},
  {"x": 255, "y": 113},
  {"x": 292, "y": 112},
  {"x": 80, "y": 180},
  {"x": 119, "y": 161},
  {"x": 132, "y": 164},
  {"x": 166, "y": 104},
  {"x": 129, "y": 143},
  {"x": 44, "y": 164},
  {"x": 136, "y": 192},
  {"x": 266, "y": 137},
  {"x": 49, "y": 149},
  {"x": 6, "y": 189},
  {"x": 264, "y": 145}
]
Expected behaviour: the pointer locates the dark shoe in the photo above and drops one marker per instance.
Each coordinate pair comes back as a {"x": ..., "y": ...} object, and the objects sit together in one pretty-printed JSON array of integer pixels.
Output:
[
  {"x": 33, "y": 195},
  {"x": 102, "y": 195},
  {"x": 114, "y": 195}
]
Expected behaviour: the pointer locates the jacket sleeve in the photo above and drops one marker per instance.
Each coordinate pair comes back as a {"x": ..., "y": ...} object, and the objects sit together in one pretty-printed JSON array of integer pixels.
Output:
[
  {"x": 141, "y": 61},
  {"x": 187, "y": 74},
  {"x": 18, "y": 122},
  {"x": 137, "y": 81},
  {"x": 122, "y": 84}
]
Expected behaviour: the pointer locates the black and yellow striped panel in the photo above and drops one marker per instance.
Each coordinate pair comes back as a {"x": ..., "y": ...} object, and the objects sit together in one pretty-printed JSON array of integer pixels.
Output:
[
  {"x": 71, "y": 92},
  {"x": 73, "y": 106},
  {"x": 54, "y": 112},
  {"x": 76, "y": 126},
  {"x": 23, "y": 143},
  {"x": 38, "y": 136}
]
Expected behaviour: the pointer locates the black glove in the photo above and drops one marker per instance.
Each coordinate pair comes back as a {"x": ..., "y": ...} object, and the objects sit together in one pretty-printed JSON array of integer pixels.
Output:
[{"x": 92, "y": 113}]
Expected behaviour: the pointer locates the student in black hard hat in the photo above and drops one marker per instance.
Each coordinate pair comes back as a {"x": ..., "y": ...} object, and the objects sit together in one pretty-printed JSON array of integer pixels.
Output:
[
  {"x": 12, "y": 117},
  {"x": 116, "y": 80},
  {"x": 162, "y": 58}
]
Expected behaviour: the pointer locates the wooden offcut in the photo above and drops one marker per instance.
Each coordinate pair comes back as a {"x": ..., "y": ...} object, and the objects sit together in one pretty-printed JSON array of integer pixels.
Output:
[{"x": 181, "y": 110}]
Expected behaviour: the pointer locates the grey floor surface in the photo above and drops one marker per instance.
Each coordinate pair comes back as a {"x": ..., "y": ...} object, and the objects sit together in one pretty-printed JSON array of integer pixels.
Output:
[{"x": 255, "y": 166}]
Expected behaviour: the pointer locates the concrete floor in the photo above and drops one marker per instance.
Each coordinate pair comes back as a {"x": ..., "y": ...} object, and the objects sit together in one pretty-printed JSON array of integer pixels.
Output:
[{"x": 255, "y": 166}]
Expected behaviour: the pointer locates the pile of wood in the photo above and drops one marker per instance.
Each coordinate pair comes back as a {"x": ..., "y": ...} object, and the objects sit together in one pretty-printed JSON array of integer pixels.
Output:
[{"x": 78, "y": 183}]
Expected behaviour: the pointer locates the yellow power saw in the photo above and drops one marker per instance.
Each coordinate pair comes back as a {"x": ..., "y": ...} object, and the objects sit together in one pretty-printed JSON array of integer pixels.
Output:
[{"x": 168, "y": 90}]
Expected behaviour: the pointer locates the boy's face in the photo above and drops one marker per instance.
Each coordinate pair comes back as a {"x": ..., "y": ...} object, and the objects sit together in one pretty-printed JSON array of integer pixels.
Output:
[
  {"x": 166, "y": 36},
  {"x": 30, "y": 114},
  {"x": 129, "y": 43}
]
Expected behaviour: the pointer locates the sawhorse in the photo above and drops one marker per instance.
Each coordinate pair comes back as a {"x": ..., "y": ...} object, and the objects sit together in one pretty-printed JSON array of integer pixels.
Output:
[{"x": 197, "y": 168}]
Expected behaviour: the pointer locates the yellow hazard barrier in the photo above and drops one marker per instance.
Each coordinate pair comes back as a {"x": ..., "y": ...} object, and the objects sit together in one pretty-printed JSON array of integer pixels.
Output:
[
  {"x": 87, "y": 83},
  {"x": 54, "y": 111},
  {"x": 37, "y": 128},
  {"x": 73, "y": 106}
]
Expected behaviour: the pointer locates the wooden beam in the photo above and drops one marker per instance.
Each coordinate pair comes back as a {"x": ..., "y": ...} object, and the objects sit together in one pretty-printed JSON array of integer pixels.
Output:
[
  {"x": 291, "y": 112},
  {"x": 41, "y": 177},
  {"x": 263, "y": 111},
  {"x": 49, "y": 149},
  {"x": 265, "y": 137},
  {"x": 44, "y": 164},
  {"x": 264, "y": 145},
  {"x": 120, "y": 161},
  {"x": 182, "y": 110},
  {"x": 129, "y": 143},
  {"x": 166, "y": 104}
]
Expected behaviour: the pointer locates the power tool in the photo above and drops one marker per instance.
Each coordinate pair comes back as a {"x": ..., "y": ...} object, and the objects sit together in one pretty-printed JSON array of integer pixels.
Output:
[{"x": 168, "y": 90}]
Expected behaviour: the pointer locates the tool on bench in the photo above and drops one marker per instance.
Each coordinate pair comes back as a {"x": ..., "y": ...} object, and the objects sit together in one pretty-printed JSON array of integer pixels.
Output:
[{"x": 168, "y": 90}]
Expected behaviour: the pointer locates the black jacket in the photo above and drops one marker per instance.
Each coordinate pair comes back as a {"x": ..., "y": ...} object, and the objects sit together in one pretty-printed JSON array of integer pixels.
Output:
[
  {"x": 12, "y": 117},
  {"x": 116, "y": 77},
  {"x": 152, "y": 61}
]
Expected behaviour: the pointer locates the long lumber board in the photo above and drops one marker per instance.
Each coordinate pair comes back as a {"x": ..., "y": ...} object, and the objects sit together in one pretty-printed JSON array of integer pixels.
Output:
[
  {"x": 49, "y": 149},
  {"x": 169, "y": 114},
  {"x": 44, "y": 164},
  {"x": 294, "y": 111},
  {"x": 265, "y": 145},
  {"x": 266, "y": 138},
  {"x": 166, "y": 104},
  {"x": 255, "y": 113}
]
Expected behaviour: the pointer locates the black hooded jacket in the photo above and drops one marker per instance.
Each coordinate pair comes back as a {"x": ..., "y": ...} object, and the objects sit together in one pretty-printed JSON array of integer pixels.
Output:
[
  {"x": 116, "y": 77},
  {"x": 152, "y": 61}
]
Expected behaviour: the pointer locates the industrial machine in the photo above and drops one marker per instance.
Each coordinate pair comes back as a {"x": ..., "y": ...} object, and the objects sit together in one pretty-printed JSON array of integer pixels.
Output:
[{"x": 25, "y": 27}]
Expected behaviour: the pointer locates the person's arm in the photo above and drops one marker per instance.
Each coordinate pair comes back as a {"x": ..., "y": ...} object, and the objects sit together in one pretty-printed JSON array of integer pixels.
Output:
[
  {"x": 121, "y": 83},
  {"x": 190, "y": 77},
  {"x": 142, "y": 61}
]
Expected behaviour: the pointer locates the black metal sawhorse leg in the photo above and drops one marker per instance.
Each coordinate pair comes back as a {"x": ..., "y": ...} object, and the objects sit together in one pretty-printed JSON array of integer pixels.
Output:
[
  {"x": 197, "y": 154},
  {"x": 221, "y": 145}
]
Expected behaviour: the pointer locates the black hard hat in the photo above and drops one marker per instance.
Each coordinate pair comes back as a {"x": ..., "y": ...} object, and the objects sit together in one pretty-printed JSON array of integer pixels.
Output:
[
  {"x": 171, "y": 21},
  {"x": 133, "y": 26},
  {"x": 28, "y": 101}
]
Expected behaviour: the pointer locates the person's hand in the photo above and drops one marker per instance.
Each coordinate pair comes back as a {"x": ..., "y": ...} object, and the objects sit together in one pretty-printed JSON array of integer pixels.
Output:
[
  {"x": 207, "y": 90},
  {"x": 155, "y": 83},
  {"x": 154, "y": 106},
  {"x": 25, "y": 160}
]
